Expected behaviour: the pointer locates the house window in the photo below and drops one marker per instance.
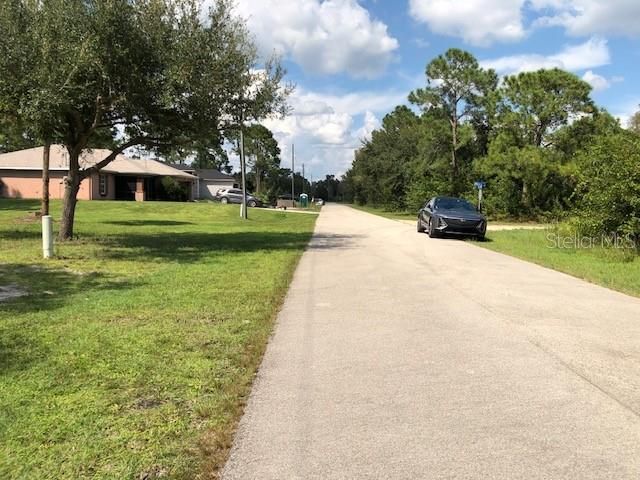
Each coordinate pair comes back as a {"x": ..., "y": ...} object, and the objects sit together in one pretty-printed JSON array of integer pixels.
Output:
[{"x": 102, "y": 185}]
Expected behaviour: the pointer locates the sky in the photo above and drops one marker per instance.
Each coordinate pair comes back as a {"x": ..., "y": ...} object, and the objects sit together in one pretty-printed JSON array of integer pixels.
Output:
[{"x": 353, "y": 61}]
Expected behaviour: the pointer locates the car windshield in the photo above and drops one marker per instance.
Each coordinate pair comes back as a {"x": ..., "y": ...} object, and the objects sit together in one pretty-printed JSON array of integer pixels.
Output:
[{"x": 454, "y": 204}]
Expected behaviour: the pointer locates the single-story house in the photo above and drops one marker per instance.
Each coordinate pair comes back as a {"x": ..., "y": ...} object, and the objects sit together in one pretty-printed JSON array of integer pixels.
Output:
[
  {"x": 209, "y": 181},
  {"x": 123, "y": 179}
]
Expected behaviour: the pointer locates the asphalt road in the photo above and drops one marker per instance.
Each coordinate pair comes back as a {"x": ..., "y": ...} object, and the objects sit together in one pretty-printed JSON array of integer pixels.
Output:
[{"x": 399, "y": 357}]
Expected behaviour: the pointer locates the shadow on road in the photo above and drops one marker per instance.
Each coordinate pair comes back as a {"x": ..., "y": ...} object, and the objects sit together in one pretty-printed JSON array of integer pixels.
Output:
[{"x": 333, "y": 241}]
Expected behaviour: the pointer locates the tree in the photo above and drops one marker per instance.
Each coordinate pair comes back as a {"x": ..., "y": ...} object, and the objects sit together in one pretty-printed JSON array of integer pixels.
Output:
[
  {"x": 153, "y": 73},
  {"x": 429, "y": 173},
  {"x": 536, "y": 104},
  {"x": 609, "y": 187},
  {"x": 212, "y": 157},
  {"x": 380, "y": 172},
  {"x": 328, "y": 189},
  {"x": 510, "y": 170},
  {"x": 14, "y": 136},
  {"x": 457, "y": 86},
  {"x": 263, "y": 153},
  {"x": 634, "y": 123},
  {"x": 543, "y": 119},
  {"x": 577, "y": 136}
]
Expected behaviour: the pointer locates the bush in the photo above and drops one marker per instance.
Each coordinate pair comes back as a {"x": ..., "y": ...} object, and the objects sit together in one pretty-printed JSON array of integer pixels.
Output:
[
  {"x": 525, "y": 182},
  {"x": 608, "y": 192},
  {"x": 174, "y": 190}
]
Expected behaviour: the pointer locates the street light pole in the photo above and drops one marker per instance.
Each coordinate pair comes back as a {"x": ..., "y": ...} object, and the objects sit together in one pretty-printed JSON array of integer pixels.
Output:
[{"x": 243, "y": 207}]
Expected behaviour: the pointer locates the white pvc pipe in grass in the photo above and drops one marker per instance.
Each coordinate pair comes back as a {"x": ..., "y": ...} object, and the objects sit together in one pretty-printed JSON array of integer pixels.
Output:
[{"x": 47, "y": 236}]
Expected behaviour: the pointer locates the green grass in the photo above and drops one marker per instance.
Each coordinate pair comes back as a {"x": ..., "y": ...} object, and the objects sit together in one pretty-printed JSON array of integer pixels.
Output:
[
  {"x": 383, "y": 212},
  {"x": 134, "y": 351},
  {"x": 618, "y": 269}
]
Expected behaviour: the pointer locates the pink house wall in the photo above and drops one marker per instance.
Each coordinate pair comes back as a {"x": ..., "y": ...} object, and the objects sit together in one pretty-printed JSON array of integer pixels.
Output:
[{"x": 28, "y": 184}]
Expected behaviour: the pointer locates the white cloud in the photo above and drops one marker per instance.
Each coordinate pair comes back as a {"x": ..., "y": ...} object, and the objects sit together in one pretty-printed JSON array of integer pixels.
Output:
[
  {"x": 593, "y": 53},
  {"x": 483, "y": 22},
  {"x": 598, "y": 82},
  {"x": 370, "y": 124},
  {"x": 327, "y": 37},
  {"x": 624, "y": 111},
  {"x": 478, "y": 22},
  {"x": 353, "y": 103},
  {"x": 587, "y": 17},
  {"x": 327, "y": 128}
]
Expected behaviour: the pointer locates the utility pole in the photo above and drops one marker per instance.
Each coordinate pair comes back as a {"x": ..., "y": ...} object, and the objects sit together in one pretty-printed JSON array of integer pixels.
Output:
[
  {"x": 243, "y": 207},
  {"x": 303, "y": 178},
  {"x": 293, "y": 174}
]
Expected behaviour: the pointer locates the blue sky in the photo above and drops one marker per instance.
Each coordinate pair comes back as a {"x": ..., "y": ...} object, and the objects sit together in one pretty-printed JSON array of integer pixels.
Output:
[{"x": 353, "y": 61}]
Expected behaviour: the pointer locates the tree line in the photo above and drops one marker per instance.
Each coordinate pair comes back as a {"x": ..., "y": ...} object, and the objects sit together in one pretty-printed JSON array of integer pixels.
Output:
[
  {"x": 165, "y": 75},
  {"x": 538, "y": 140}
]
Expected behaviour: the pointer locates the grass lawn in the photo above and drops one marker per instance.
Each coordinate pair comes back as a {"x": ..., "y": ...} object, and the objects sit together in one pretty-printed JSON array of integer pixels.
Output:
[
  {"x": 136, "y": 347},
  {"x": 611, "y": 268},
  {"x": 394, "y": 215}
]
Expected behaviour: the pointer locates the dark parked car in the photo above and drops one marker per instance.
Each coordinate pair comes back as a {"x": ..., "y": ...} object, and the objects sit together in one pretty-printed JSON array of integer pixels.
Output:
[
  {"x": 447, "y": 215},
  {"x": 234, "y": 195}
]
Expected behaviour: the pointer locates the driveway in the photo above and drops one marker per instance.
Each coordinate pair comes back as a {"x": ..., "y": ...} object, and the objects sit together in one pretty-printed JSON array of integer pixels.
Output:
[{"x": 396, "y": 356}]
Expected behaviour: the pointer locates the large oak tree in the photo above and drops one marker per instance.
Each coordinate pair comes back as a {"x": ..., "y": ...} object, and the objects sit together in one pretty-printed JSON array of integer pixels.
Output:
[{"x": 152, "y": 73}]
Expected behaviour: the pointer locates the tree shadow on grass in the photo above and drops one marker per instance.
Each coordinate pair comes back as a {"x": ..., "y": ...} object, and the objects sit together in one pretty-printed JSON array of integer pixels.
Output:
[
  {"x": 147, "y": 223},
  {"x": 20, "y": 234},
  {"x": 19, "y": 204},
  {"x": 45, "y": 289},
  {"x": 193, "y": 246}
]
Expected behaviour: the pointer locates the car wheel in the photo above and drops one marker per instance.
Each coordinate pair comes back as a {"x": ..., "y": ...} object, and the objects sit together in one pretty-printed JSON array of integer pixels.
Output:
[
  {"x": 252, "y": 203},
  {"x": 224, "y": 200},
  {"x": 431, "y": 229},
  {"x": 420, "y": 226}
]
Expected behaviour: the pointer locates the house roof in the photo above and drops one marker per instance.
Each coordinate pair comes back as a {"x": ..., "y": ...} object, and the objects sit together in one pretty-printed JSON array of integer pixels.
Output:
[
  {"x": 205, "y": 173},
  {"x": 182, "y": 166},
  {"x": 31, "y": 159},
  {"x": 211, "y": 174}
]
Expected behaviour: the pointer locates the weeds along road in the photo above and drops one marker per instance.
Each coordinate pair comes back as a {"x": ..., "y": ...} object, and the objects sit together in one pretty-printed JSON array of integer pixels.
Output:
[{"x": 399, "y": 356}]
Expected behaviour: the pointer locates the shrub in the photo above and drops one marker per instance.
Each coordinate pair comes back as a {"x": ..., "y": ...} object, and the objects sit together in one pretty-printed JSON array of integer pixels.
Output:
[
  {"x": 608, "y": 192},
  {"x": 174, "y": 190}
]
